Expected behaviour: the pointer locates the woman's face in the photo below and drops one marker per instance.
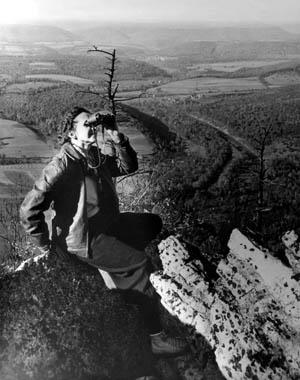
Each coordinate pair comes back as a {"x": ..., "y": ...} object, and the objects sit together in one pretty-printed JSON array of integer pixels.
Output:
[{"x": 84, "y": 133}]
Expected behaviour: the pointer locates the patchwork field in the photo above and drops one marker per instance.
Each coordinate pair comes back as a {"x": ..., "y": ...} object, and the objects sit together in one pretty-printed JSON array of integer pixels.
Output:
[
  {"x": 42, "y": 66},
  {"x": 60, "y": 77},
  {"x": 234, "y": 65},
  {"x": 207, "y": 84},
  {"x": 22, "y": 87}
]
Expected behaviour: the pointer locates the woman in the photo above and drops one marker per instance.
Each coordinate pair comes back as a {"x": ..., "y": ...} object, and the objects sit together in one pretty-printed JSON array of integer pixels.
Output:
[{"x": 78, "y": 185}]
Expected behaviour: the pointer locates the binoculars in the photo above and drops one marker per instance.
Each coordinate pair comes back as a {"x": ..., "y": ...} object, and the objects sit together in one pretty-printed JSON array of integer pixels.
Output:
[{"x": 104, "y": 118}]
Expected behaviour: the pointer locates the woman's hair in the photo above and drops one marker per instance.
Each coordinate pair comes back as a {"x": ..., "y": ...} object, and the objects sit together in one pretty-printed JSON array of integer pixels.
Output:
[{"x": 68, "y": 123}]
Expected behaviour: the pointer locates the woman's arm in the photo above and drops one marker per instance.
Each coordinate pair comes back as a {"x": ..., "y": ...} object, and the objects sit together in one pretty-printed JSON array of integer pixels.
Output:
[
  {"x": 125, "y": 161},
  {"x": 37, "y": 201}
]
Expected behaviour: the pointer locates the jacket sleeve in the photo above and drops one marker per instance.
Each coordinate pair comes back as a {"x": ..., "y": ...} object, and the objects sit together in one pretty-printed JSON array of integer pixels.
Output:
[
  {"x": 125, "y": 161},
  {"x": 38, "y": 200}
]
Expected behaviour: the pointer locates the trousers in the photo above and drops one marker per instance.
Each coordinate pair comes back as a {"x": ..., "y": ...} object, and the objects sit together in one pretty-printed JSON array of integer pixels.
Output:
[{"x": 127, "y": 237}]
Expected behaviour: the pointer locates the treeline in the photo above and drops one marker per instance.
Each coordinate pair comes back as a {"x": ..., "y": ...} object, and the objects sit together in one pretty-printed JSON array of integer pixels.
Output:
[{"x": 246, "y": 115}]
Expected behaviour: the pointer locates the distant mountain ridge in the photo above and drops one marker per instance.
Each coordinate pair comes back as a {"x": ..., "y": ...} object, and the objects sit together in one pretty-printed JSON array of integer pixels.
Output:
[
  {"x": 34, "y": 33},
  {"x": 159, "y": 37},
  {"x": 236, "y": 50},
  {"x": 148, "y": 35}
]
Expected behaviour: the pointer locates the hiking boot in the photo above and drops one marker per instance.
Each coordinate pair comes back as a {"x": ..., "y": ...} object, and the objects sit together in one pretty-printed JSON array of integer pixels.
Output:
[{"x": 164, "y": 345}]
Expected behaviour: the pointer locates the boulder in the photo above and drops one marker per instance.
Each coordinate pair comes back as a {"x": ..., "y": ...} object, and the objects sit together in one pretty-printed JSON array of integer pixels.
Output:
[
  {"x": 249, "y": 313},
  {"x": 291, "y": 240},
  {"x": 58, "y": 321}
]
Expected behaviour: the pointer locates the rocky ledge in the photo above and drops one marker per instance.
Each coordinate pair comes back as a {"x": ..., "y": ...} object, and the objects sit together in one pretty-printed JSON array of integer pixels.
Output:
[{"x": 249, "y": 313}]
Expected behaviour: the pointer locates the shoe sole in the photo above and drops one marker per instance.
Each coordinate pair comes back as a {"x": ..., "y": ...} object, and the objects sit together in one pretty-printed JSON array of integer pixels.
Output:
[{"x": 170, "y": 355}]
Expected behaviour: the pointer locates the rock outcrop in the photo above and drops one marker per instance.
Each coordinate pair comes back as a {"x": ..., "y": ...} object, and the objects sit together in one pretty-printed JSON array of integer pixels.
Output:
[
  {"x": 58, "y": 321},
  {"x": 249, "y": 314}
]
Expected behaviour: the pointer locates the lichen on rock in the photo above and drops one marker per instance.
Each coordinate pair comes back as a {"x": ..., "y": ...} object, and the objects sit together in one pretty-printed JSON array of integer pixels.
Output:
[{"x": 251, "y": 316}]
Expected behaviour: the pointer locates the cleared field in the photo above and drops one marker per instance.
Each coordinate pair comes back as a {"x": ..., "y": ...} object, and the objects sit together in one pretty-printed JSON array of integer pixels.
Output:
[
  {"x": 130, "y": 85},
  {"x": 283, "y": 78},
  {"x": 207, "y": 84},
  {"x": 30, "y": 85},
  {"x": 43, "y": 64},
  {"x": 5, "y": 77},
  {"x": 18, "y": 141},
  {"x": 16, "y": 180},
  {"x": 61, "y": 77},
  {"x": 234, "y": 65}
]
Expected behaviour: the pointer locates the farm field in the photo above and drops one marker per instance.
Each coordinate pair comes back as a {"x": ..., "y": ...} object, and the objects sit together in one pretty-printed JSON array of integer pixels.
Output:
[
  {"x": 18, "y": 141},
  {"x": 21, "y": 87},
  {"x": 283, "y": 78},
  {"x": 208, "y": 84},
  {"x": 42, "y": 64},
  {"x": 61, "y": 77},
  {"x": 138, "y": 84},
  {"x": 233, "y": 65},
  {"x": 16, "y": 180}
]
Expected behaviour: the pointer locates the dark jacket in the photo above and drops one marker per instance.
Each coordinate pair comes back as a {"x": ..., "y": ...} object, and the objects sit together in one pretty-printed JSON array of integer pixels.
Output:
[{"x": 62, "y": 186}]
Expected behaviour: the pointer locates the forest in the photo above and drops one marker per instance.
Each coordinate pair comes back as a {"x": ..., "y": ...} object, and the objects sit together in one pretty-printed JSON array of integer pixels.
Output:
[{"x": 192, "y": 180}]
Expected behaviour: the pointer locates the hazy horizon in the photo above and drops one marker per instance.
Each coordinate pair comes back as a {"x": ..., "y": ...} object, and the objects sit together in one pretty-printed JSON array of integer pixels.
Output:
[{"x": 154, "y": 11}]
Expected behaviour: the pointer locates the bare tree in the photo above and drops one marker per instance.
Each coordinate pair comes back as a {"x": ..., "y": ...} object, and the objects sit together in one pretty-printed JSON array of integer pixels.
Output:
[{"x": 111, "y": 89}]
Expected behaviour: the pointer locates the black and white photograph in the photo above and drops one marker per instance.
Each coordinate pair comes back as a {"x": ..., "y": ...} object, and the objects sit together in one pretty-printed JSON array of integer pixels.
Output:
[{"x": 149, "y": 190}]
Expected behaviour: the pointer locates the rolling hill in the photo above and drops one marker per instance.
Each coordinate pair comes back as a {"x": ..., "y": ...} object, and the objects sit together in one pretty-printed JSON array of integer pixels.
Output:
[
  {"x": 34, "y": 33},
  {"x": 156, "y": 36}
]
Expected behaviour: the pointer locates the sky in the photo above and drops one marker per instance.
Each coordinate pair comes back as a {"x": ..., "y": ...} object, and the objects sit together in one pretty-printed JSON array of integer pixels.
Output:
[{"x": 223, "y": 11}]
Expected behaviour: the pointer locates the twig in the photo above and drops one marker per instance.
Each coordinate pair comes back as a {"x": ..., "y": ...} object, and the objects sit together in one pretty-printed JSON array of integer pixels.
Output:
[{"x": 136, "y": 200}]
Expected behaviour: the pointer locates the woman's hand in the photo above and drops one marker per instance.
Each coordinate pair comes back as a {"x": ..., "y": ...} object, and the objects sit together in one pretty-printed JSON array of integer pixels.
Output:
[{"x": 115, "y": 135}]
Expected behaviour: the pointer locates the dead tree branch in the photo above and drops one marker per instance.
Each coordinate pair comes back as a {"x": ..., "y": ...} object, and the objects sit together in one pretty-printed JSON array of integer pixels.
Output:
[{"x": 111, "y": 88}]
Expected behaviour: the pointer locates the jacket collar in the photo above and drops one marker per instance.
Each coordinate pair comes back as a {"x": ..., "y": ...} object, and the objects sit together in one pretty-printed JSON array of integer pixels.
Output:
[{"x": 72, "y": 152}]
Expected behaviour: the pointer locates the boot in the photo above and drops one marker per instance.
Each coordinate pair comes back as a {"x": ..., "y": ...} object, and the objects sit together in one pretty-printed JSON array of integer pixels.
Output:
[{"x": 164, "y": 345}]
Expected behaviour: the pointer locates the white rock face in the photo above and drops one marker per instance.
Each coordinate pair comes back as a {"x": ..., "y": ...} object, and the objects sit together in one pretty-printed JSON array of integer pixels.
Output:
[
  {"x": 292, "y": 243},
  {"x": 250, "y": 317}
]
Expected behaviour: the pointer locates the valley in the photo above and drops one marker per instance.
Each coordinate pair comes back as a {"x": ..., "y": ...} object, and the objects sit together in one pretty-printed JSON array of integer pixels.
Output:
[{"x": 213, "y": 113}]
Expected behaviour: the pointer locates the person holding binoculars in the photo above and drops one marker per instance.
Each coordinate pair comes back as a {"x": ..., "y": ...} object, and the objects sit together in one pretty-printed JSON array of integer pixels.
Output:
[{"x": 78, "y": 183}]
